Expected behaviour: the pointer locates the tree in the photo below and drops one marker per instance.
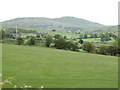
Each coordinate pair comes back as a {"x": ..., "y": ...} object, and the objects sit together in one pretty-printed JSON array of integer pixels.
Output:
[
  {"x": 117, "y": 42},
  {"x": 74, "y": 47},
  {"x": 91, "y": 35},
  {"x": 19, "y": 40},
  {"x": 2, "y": 34},
  {"x": 81, "y": 41},
  {"x": 38, "y": 36},
  {"x": 60, "y": 43},
  {"x": 49, "y": 40},
  {"x": 71, "y": 46},
  {"x": 81, "y": 36},
  {"x": 112, "y": 50},
  {"x": 95, "y": 35},
  {"x": 103, "y": 50},
  {"x": 31, "y": 41},
  {"x": 53, "y": 30},
  {"x": 89, "y": 47},
  {"x": 57, "y": 36},
  {"x": 8, "y": 35},
  {"x": 105, "y": 37},
  {"x": 65, "y": 37},
  {"x": 85, "y": 36}
]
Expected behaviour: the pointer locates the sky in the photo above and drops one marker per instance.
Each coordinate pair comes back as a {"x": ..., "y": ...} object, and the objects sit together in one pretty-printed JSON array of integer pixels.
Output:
[{"x": 100, "y": 11}]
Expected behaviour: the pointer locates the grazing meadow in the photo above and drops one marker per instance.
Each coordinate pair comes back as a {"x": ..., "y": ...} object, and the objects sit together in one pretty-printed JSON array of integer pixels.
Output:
[{"x": 53, "y": 68}]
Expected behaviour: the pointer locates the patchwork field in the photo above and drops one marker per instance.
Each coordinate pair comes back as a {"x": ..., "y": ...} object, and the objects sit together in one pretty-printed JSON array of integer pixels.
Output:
[{"x": 40, "y": 66}]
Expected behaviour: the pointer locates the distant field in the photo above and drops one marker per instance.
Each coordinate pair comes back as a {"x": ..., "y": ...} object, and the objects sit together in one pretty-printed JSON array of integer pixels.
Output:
[{"x": 40, "y": 66}]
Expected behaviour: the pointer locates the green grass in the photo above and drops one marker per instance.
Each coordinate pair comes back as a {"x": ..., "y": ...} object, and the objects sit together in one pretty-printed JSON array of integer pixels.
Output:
[
  {"x": 40, "y": 66},
  {"x": 92, "y": 40}
]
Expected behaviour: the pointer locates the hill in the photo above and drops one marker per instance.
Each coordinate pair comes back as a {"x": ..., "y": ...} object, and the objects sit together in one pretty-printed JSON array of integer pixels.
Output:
[
  {"x": 63, "y": 23},
  {"x": 40, "y": 66}
]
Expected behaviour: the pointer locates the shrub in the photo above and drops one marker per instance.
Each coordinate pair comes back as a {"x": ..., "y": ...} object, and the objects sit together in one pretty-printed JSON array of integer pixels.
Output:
[
  {"x": 31, "y": 41},
  {"x": 19, "y": 40},
  {"x": 89, "y": 47},
  {"x": 49, "y": 40},
  {"x": 103, "y": 50},
  {"x": 71, "y": 46},
  {"x": 61, "y": 43},
  {"x": 81, "y": 41},
  {"x": 57, "y": 36},
  {"x": 2, "y": 34},
  {"x": 113, "y": 50}
]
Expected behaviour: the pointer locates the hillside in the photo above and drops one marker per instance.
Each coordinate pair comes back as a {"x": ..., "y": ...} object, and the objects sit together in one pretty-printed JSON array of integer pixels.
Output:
[
  {"x": 64, "y": 23},
  {"x": 40, "y": 66}
]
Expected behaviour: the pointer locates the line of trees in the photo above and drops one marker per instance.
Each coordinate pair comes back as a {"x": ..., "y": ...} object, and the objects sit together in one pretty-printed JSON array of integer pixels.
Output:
[
  {"x": 60, "y": 42},
  {"x": 103, "y": 36},
  {"x": 113, "y": 50}
]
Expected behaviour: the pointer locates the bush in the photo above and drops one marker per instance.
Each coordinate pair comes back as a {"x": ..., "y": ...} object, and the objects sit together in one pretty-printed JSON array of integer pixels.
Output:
[
  {"x": 19, "y": 40},
  {"x": 113, "y": 50},
  {"x": 71, "y": 46},
  {"x": 89, "y": 47},
  {"x": 103, "y": 50},
  {"x": 9, "y": 35},
  {"x": 49, "y": 40},
  {"x": 31, "y": 41},
  {"x": 61, "y": 43},
  {"x": 57, "y": 36},
  {"x": 81, "y": 41},
  {"x": 2, "y": 34}
]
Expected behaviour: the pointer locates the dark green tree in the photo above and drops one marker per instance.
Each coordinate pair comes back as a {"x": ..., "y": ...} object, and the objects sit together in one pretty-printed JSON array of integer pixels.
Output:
[
  {"x": 60, "y": 43},
  {"x": 70, "y": 45},
  {"x": 65, "y": 37},
  {"x": 19, "y": 40},
  {"x": 85, "y": 36},
  {"x": 81, "y": 36},
  {"x": 2, "y": 34},
  {"x": 113, "y": 50},
  {"x": 89, "y": 47},
  {"x": 81, "y": 41},
  {"x": 91, "y": 35},
  {"x": 57, "y": 36},
  {"x": 53, "y": 30},
  {"x": 49, "y": 40},
  {"x": 8, "y": 35},
  {"x": 105, "y": 37},
  {"x": 103, "y": 50},
  {"x": 38, "y": 36},
  {"x": 31, "y": 41},
  {"x": 95, "y": 35}
]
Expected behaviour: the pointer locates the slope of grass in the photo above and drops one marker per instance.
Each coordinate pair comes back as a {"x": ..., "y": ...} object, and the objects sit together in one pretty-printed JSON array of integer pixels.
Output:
[{"x": 52, "y": 68}]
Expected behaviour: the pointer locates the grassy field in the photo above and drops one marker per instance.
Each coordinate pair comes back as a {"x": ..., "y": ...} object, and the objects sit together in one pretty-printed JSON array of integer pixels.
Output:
[{"x": 40, "y": 66}]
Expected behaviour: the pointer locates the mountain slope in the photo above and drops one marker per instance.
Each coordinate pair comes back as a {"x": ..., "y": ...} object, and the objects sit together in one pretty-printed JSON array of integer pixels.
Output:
[{"x": 64, "y": 23}]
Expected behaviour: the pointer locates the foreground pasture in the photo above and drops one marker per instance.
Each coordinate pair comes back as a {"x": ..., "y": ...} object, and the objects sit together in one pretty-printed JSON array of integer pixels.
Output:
[{"x": 52, "y": 68}]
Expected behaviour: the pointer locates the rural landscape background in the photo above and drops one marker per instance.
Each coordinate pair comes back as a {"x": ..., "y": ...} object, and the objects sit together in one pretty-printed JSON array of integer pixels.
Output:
[
  {"x": 59, "y": 44},
  {"x": 59, "y": 53}
]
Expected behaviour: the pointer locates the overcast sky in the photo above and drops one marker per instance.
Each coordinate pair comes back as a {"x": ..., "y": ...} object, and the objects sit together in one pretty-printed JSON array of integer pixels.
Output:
[{"x": 101, "y": 11}]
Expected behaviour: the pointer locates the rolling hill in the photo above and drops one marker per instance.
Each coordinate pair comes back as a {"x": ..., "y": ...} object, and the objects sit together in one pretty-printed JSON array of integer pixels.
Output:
[{"x": 60, "y": 24}]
